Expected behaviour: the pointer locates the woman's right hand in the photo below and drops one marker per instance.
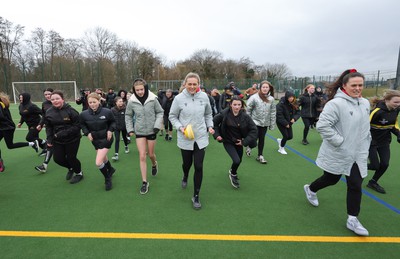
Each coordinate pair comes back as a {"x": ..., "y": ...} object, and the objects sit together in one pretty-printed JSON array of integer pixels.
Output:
[{"x": 90, "y": 137}]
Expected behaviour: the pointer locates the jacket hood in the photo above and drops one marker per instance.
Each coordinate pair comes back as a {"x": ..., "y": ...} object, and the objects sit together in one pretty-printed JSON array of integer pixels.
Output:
[
  {"x": 341, "y": 94},
  {"x": 26, "y": 98}
]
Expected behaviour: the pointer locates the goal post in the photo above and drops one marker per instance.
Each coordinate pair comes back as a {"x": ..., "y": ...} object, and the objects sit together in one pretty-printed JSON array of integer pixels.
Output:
[{"x": 35, "y": 89}]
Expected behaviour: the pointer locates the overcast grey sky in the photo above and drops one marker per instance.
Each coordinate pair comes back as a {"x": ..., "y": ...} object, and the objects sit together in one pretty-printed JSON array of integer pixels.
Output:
[{"x": 311, "y": 37}]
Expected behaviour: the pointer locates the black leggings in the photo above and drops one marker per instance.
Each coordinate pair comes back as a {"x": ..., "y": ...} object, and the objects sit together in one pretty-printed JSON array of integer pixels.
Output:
[
  {"x": 309, "y": 121},
  {"x": 33, "y": 134},
  {"x": 236, "y": 153},
  {"x": 198, "y": 156},
  {"x": 167, "y": 123},
  {"x": 261, "y": 139},
  {"x": 381, "y": 164},
  {"x": 287, "y": 134},
  {"x": 117, "y": 134},
  {"x": 354, "y": 189},
  {"x": 65, "y": 155},
  {"x": 8, "y": 136},
  {"x": 49, "y": 155}
]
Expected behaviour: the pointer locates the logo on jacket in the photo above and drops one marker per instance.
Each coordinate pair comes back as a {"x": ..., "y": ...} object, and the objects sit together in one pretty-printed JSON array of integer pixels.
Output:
[
  {"x": 351, "y": 113},
  {"x": 102, "y": 117},
  {"x": 383, "y": 121}
]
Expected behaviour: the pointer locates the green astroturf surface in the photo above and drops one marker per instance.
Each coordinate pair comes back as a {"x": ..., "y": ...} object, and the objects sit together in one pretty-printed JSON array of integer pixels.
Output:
[{"x": 270, "y": 201}]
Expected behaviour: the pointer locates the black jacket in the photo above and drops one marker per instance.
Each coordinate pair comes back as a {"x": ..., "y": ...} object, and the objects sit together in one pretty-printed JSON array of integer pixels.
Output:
[
  {"x": 45, "y": 106},
  {"x": 97, "y": 123},
  {"x": 84, "y": 101},
  {"x": 166, "y": 104},
  {"x": 383, "y": 123},
  {"x": 285, "y": 111},
  {"x": 6, "y": 121},
  {"x": 30, "y": 112},
  {"x": 247, "y": 126},
  {"x": 62, "y": 125},
  {"x": 119, "y": 116},
  {"x": 309, "y": 104}
]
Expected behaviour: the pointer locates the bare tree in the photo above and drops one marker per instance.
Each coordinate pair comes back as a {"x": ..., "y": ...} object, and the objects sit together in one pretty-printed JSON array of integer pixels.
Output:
[
  {"x": 37, "y": 43},
  {"x": 205, "y": 62},
  {"x": 10, "y": 38},
  {"x": 277, "y": 71},
  {"x": 72, "y": 49},
  {"x": 99, "y": 43},
  {"x": 54, "y": 45}
]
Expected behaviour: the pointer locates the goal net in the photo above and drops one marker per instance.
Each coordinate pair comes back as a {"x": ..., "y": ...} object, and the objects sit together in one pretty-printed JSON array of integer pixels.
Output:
[{"x": 35, "y": 89}]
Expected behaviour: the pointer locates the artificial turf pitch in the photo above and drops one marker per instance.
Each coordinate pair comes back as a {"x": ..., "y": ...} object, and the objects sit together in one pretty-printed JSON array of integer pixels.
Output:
[{"x": 43, "y": 216}]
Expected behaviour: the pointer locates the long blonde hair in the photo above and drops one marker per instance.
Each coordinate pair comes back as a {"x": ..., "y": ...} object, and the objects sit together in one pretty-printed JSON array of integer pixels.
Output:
[
  {"x": 387, "y": 96},
  {"x": 5, "y": 99}
]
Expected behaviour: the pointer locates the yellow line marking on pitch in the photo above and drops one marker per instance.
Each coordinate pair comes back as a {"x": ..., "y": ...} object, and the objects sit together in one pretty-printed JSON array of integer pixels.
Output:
[{"x": 259, "y": 238}]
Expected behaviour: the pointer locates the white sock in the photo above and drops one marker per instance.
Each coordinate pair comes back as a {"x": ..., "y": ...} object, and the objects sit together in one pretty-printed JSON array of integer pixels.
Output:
[{"x": 352, "y": 217}]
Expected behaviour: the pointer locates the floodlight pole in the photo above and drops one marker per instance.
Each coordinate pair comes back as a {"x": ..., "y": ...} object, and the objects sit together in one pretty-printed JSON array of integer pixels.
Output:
[{"x": 397, "y": 82}]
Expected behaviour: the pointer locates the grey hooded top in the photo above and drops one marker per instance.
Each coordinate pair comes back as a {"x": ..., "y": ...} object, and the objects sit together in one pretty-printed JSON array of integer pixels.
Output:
[{"x": 345, "y": 130}]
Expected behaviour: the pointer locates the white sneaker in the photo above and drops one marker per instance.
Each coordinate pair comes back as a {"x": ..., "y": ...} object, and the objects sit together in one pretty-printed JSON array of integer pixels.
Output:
[
  {"x": 261, "y": 159},
  {"x": 248, "y": 151},
  {"x": 115, "y": 157},
  {"x": 282, "y": 151},
  {"x": 311, "y": 196},
  {"x": 126, "y": 149},
  {"x": 354, "y": 225}
]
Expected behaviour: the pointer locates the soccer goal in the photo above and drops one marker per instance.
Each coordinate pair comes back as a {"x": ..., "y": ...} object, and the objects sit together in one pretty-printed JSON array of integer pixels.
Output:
[{"x": 35, "y": 89}]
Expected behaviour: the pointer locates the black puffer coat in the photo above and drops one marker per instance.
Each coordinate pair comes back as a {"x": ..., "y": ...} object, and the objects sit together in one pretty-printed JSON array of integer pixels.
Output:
[
  {"x": 98, "y": 123},
  {"x": 62, "y": 125},
  {"x": 309, "y": 104},
  {"x": 119, "y": 115}
]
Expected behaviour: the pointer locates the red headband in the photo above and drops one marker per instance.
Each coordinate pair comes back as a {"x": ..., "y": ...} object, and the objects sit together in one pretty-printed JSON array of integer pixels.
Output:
[{"x": 353, "y": 70}]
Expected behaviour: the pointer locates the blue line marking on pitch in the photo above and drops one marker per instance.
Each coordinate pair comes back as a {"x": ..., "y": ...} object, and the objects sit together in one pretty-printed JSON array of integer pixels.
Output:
[{"x": 387, "y": 205}]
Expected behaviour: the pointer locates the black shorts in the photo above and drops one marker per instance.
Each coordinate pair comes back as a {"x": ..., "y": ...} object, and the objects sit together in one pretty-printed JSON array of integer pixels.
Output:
[
  {"x": 102, "y": 143},
  {"x": 148, "y": 137}
]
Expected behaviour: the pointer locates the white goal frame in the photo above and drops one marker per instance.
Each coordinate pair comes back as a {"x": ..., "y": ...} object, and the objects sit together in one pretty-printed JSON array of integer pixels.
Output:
[{"x": 50, "y": 83}]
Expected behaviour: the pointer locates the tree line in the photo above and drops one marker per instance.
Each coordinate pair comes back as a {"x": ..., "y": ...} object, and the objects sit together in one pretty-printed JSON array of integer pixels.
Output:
[{"x": 100, "y": 59}]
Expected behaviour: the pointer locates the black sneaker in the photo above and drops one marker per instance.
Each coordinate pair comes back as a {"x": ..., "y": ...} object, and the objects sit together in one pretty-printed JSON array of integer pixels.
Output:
[
  {"x": 234, "y": 179},
  {"x": 69, "y": 175},
  {"x": 375, "y": 186},
  {"x": 154, "y": 169},
  {"x": 108, "y": 184},
  {"x": 170, "y": 138},
  {"x": 36, "y": 146},
  {"x": 41, "y": 168},
  {"x": 145, "y": 188},
  {"x": 184, "y": 183},
  {"x": 196, "y": 202},
  {"x": 76, "y": 179},
  {"x": 305, "y": 142}
]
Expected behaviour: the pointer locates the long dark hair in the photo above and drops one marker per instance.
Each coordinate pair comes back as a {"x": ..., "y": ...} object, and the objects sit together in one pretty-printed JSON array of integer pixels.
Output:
[{"x": 340, "y": 81}]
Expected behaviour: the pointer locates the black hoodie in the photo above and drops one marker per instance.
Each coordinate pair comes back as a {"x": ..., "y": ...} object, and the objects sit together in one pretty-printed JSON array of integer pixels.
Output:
[{"x": 30, "y": 112}]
